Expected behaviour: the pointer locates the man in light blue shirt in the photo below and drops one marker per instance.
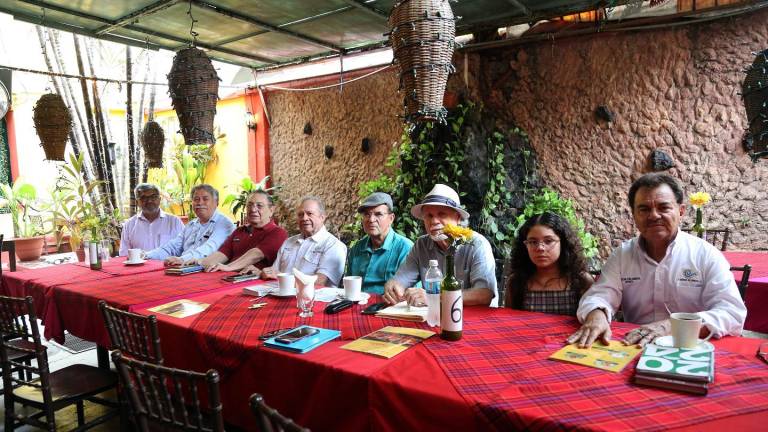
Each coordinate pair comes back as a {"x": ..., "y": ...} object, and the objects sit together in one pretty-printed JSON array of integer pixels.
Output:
[
  {"x": 377, "y": 256},
  {"x": 202, "y": 236}
]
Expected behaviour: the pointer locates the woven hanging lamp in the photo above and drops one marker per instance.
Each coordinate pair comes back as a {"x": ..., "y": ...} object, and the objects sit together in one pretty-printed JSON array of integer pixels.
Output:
[
  {"x": 194, "y": 89},
  {"x": 422, "y": 34},
  {"x": 152, "y": 141},
  {"x": 53, "y": 123},
  {"x": 754, "y": 90}
]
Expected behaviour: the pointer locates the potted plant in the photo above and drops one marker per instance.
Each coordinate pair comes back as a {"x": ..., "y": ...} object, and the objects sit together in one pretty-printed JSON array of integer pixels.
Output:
[
  {"x": 74, "y": 201},
  {"x": 28, "y": 236}
]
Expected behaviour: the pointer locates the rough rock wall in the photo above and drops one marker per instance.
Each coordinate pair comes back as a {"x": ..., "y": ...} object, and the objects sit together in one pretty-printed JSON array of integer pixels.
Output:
[
  {"x": 674, "y": 90},
  {"x": 365, "y": 108}
]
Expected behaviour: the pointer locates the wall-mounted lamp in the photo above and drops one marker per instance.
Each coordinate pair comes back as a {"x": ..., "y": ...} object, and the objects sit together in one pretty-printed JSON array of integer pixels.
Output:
[
  {"x": 250, "y": 120},
  {"x": 111, "y": 152}
]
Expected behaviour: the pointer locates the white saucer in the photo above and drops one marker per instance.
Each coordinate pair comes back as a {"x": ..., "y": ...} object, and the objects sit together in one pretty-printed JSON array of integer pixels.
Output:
[
  {"x": 277, "y": 294},
  {"x": 134, "y": 263},
  {"x": 666, "y": 341},
  {"x": 364, "y": 296}
]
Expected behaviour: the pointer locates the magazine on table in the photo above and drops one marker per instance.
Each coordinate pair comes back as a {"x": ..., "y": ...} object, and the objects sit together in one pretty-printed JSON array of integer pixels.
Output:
[
  {"x": 613, "y": 357},
  {"x": 388, "y": 341},
  {"x": 180, "y": 308},
  {"x": 683, "y": 369}
]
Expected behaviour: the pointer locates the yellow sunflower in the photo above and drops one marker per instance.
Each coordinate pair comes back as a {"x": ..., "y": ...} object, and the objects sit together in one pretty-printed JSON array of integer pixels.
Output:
[
  {"x": 458, "y": 233},
  {"x": 698, "y": 199}
]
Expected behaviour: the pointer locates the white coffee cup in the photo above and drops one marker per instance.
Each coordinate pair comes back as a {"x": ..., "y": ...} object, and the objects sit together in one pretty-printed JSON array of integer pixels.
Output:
[
  {"x": 286, "y": 284},
  {"x": 352, "y": 287},
  {"x": 685, "y": 329},
  {"x": 134, "y": 255}
]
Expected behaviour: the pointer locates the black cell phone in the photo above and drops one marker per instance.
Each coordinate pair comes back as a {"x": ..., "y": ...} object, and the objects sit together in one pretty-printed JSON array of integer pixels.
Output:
[
  {"x": 372, "y": 309},
  {"x": 338, "y": 306},
  {"x": 273, "y": 333},
  {"x": 297, "y": 335}
]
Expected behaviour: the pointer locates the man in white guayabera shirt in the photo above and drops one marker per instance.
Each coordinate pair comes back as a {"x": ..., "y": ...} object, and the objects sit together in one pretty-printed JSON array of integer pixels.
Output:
[
  {"x": 201, "y": 236},
  {"x": 662, "y": 269},
  {"x": 314, "y": 250},
  {"x": 151, "y": 227}
]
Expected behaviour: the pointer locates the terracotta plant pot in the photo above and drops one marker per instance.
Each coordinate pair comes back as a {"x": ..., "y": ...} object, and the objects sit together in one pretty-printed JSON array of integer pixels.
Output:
[
  {"x": 29, "y": 249},
  {"x": 80, "y": 252}
]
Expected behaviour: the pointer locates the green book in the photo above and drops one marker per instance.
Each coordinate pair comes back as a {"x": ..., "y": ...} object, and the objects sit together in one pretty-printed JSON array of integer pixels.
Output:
[{"x": 684, "y": 364}]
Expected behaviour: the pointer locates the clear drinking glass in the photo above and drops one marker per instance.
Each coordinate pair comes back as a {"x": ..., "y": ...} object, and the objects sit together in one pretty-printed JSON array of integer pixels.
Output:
[{"x": 305, "y": 299}]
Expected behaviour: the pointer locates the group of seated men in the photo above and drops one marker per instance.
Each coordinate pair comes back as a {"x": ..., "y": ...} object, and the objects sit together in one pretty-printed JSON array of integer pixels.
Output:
[{"x": 639, "y": 277}]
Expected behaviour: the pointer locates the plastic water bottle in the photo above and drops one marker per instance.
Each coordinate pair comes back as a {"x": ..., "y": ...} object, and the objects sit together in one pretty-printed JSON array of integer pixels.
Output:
[{"x": 432, "y": 281}]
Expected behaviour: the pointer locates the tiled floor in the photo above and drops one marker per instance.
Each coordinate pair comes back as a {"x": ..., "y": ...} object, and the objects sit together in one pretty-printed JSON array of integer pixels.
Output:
[{"x": 67, "y": 419}]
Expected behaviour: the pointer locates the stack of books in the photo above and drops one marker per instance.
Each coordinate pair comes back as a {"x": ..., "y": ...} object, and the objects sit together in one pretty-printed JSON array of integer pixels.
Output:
[
  {"x": 402, "y": 311},
  {"x": 688, "y": 370},
  {"x": 184, "y": 270}
]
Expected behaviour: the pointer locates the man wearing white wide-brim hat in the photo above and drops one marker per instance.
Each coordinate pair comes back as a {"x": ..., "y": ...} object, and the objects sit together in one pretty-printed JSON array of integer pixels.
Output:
[{"x": 474, "y": 265}]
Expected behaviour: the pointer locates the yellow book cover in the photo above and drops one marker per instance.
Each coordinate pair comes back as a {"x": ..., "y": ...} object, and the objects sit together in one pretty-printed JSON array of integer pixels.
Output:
[
  {"x": 613, "y": 357},
  {"x": 180, "y": 308},
  {"x": 388, "y": 341}
]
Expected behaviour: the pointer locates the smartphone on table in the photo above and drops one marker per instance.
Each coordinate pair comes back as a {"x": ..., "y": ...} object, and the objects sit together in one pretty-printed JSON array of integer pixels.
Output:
[{"x": 297, "y": 335}]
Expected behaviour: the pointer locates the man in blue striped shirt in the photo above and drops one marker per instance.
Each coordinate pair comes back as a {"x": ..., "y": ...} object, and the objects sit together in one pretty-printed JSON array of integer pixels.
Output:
[{"x": 201, "y": 236}]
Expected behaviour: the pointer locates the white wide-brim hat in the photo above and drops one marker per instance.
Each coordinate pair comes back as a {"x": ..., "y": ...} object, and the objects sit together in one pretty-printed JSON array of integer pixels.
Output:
[{"x": 441, "y": 195}]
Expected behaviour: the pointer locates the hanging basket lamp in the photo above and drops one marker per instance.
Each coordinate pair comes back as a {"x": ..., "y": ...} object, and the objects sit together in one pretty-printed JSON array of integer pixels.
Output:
[
  {"x": 53, "y": 123},
  {"x": 194, "y": 90},
  {"x": 754, "y": 90},
  {"x": 152, "y": 141},
  {"x": 422, "y": 34}
]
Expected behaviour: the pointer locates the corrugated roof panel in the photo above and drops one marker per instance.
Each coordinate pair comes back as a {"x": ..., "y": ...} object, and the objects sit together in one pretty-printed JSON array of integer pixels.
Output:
[
  {"x": 109, "y": 9},
  {"x": 348, "y": 29},
  {"x": 276, "y": 46},
  {"x": 210, "y": 26},
  {"x": 281, "y": 12}
]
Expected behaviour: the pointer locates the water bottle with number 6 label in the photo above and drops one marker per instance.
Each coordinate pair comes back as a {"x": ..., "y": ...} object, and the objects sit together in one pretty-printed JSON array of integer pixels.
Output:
[
  {"x": 432, "y": 281},
  {"x": 451, "y": 304}
]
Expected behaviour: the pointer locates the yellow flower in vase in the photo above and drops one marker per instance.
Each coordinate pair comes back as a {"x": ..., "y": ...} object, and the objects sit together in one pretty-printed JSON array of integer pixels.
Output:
[
  {"x": 458, "y": 235},
  {"x": 698, "y": 200}
]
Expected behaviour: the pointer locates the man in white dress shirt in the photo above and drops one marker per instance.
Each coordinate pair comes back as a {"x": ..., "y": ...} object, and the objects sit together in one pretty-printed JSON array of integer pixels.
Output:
[
  {"x": 202, "y": 236},
  {"x": 662, "y": 267},
  {"x": 314, "y": 251},
  {"x": 151, "y": 227}
]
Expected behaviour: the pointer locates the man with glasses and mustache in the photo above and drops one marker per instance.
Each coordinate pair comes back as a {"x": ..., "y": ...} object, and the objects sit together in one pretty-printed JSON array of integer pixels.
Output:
[
  {"x": 255, "y": 243},
  {"x": 151, "y": 227},
  {"x": 663, "y": 269},
  {"x": 377, "y": 256},
  {"x": 202, "y": 235},
  {"x": 474, "y": 264}
]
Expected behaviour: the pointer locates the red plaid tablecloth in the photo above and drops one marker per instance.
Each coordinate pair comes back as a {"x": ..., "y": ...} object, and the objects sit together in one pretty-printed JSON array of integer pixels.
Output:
[
  {"x": 228, "y": 328},
  {"x": 75, "y": 308},
  {"x": 39, "y": 282},
  {"x": 116, "y": 267},
  {"x": 501, "y": 368}
]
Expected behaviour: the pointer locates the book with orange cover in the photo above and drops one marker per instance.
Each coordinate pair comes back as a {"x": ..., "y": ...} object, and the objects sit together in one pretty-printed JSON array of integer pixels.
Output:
[{"x": 613, "y": 357}]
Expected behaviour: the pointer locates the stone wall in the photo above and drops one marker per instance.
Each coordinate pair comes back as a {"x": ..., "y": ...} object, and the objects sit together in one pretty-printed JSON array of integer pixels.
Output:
[
  {"x": 675, "y": 90},
  {"x": 364, "y": 108}
]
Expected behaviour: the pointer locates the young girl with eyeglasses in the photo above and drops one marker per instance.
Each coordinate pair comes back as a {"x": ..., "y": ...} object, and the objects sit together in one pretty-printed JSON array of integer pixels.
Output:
[{"x": 549, "y": 270}]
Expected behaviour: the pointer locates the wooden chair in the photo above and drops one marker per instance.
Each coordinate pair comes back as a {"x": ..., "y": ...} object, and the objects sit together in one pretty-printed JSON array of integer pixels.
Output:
[
  {"x": 136, "y": 336},
  {"x": 745, "y": 270},
  {"x": 269, "y": 420},
  {"x": 714, "y": 236},
  {"x": 164, "y": 397},
  {"x": 50, "y": 391},
  {"x": 10, "y": 247}
]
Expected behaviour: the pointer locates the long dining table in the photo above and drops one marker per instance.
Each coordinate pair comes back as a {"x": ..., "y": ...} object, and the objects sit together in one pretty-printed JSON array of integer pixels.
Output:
[
  {"x": 757, "y": 292},
  {"x": 498, "y": 376}
]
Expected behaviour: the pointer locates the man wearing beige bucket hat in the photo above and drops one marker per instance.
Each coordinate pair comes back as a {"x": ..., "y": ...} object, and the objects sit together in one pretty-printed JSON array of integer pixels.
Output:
[{"x": 474, "y": 264}]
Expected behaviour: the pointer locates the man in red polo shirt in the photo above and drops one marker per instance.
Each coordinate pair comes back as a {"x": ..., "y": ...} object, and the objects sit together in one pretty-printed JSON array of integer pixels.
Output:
[{"x": 255, "y": 244}]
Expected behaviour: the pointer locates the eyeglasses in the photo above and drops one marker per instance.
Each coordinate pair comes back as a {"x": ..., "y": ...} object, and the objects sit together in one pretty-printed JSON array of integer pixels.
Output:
[
  {"x": 152, "y": 197},
  {"x": 762, "y": 352},
  {"x": 546, "y": 243},
  {"x": 376, "y": 215}
]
